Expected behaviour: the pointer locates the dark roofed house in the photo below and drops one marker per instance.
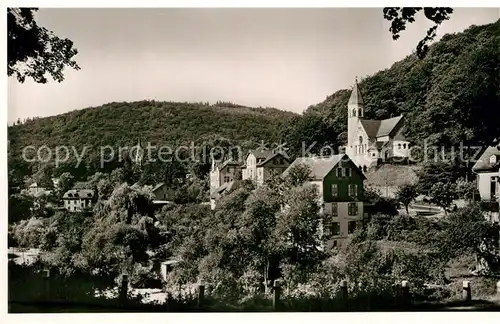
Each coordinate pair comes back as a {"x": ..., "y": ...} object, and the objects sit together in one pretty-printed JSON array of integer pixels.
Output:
[
  {"x": 340, "y": 188},
  {"x": 223, "y": 172},
  {"x": 223, "y": 190},
  {"x": 163, "y": 194}
]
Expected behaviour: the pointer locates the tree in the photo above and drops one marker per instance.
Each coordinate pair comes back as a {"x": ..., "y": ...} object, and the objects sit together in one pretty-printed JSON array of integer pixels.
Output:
[
  {"x": 20, "y": 207},
  {"x": 33, "y": 51},
  {"x": 66, "y": 182},
  {"x": 406, "y": 194},
  {"x": 443, "y": 194},
  {"x": 468, "y": 229},
  {"x": 466, "y": 189},
  {"x": 298, "y": 226},
  {"x": 297, "y": 175},
  {"x": 400, "y": 17}
]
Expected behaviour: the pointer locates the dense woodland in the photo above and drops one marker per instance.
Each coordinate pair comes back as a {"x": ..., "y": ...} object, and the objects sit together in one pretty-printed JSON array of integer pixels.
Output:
[{"x": 450, "y": 96}]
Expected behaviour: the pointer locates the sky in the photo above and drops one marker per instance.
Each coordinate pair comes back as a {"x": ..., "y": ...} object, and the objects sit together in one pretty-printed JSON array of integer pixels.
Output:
[{"x": 283, "y": 58}]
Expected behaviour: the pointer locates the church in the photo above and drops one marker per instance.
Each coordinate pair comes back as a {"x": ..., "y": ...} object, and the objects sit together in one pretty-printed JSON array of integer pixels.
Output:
[{"x": 371, "y": 141}]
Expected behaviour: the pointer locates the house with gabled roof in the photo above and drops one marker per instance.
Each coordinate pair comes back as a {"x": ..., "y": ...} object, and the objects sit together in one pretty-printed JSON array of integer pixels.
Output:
[
  {"x": 369, "y": 141},
  {"x": 340, "y": 189},
  {"x": 77, "y": 200},
  {"x": 260, "y": 165},
  {"x": 487, "y": 168},
  {"x": 163, "y": 194}
]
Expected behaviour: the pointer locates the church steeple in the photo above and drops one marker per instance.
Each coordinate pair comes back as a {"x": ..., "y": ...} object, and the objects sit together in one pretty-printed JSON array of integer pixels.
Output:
[
  {"x": 356, "y": 105},
  {"x": 139, "y": 152}
]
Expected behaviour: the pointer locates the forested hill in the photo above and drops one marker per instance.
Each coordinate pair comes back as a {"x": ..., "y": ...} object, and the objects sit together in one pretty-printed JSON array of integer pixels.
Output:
[
  {"x": 123, "y": 123},
  {"x": 451, "y": 95}
]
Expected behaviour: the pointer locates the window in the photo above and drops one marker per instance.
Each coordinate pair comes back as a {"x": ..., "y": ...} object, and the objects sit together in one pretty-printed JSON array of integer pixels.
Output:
[
  {"x": 335, "y": 228},
  {"x": 493, "y": 159},
  {"x": 335, "y": 209},
  {"x": 399, "y": 146},
  {"x": 335, "y": 190},
  {"x": 353, "y": 190},
  {"x": 349, "y": 172},
  {"x": 334, "y": 243},
  {"x": 353, "y": 209},
  {"x": 351, "y": 227},
  {"x": 343, "y": 172},
  {"x": 339, "y": 172},
  {"x": 404, "y": 146},
  {"x": 226, "y": 178}
]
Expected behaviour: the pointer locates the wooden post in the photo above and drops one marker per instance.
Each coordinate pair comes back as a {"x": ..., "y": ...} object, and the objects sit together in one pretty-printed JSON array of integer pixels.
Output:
[
  {"x": 167, "y": 301},
  {"x": 201, "y": 294},
  {"x": 344, "y": 297},
  {"x": 46, "y": 285},
  {"x": 123, "y": 290},
  {"x": 498, "y": 288},
  {"x": 405, "y": 293},
  {"x": 466, "y": 292},
  {"x": 276, "y": 295}
]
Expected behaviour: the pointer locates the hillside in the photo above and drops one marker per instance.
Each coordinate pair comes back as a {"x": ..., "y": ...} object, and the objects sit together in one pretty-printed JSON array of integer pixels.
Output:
[
  {"x": 451, "y": 95},
  {"x": 122, "y": 123}
]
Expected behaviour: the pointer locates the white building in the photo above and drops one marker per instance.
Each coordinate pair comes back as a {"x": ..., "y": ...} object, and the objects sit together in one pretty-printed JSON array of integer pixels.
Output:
[
  {"x": 261, "y": 165},
  {"x": 77, "y": 200},
  {"x": 487, "y": 169},
  {"x": 371, "y": 140}
]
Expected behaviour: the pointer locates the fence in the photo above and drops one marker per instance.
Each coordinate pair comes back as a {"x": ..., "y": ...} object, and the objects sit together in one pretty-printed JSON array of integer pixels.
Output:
[{"x": 50, "y": 293}]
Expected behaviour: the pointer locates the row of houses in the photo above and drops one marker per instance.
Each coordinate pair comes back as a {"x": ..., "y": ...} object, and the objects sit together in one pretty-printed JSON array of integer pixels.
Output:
[{"x": 338, "y": 179}]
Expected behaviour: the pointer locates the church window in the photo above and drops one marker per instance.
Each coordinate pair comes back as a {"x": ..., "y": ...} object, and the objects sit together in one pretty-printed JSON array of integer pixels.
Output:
[
  {"x": 360, "y": 112},
  {"x": 399, "y": 146},
  {"x": 354, "y": 112},
  {"x": 404, "y": 146}
]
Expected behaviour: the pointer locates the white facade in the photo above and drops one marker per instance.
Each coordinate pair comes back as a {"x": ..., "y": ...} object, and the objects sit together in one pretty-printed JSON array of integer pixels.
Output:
[
  {"x": 371, "y": 140},
  {"x": 78, "y": 200}
]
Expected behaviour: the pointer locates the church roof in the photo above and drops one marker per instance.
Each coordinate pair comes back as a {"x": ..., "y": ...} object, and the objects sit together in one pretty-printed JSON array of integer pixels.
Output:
[
  {"x": 400, "y": 137},
  {"x": 379, "y": 128},
  {"x": 387, "y": 125},
  {"x": 371, "y": 127},
  {"x": 356, "y": 98}
]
